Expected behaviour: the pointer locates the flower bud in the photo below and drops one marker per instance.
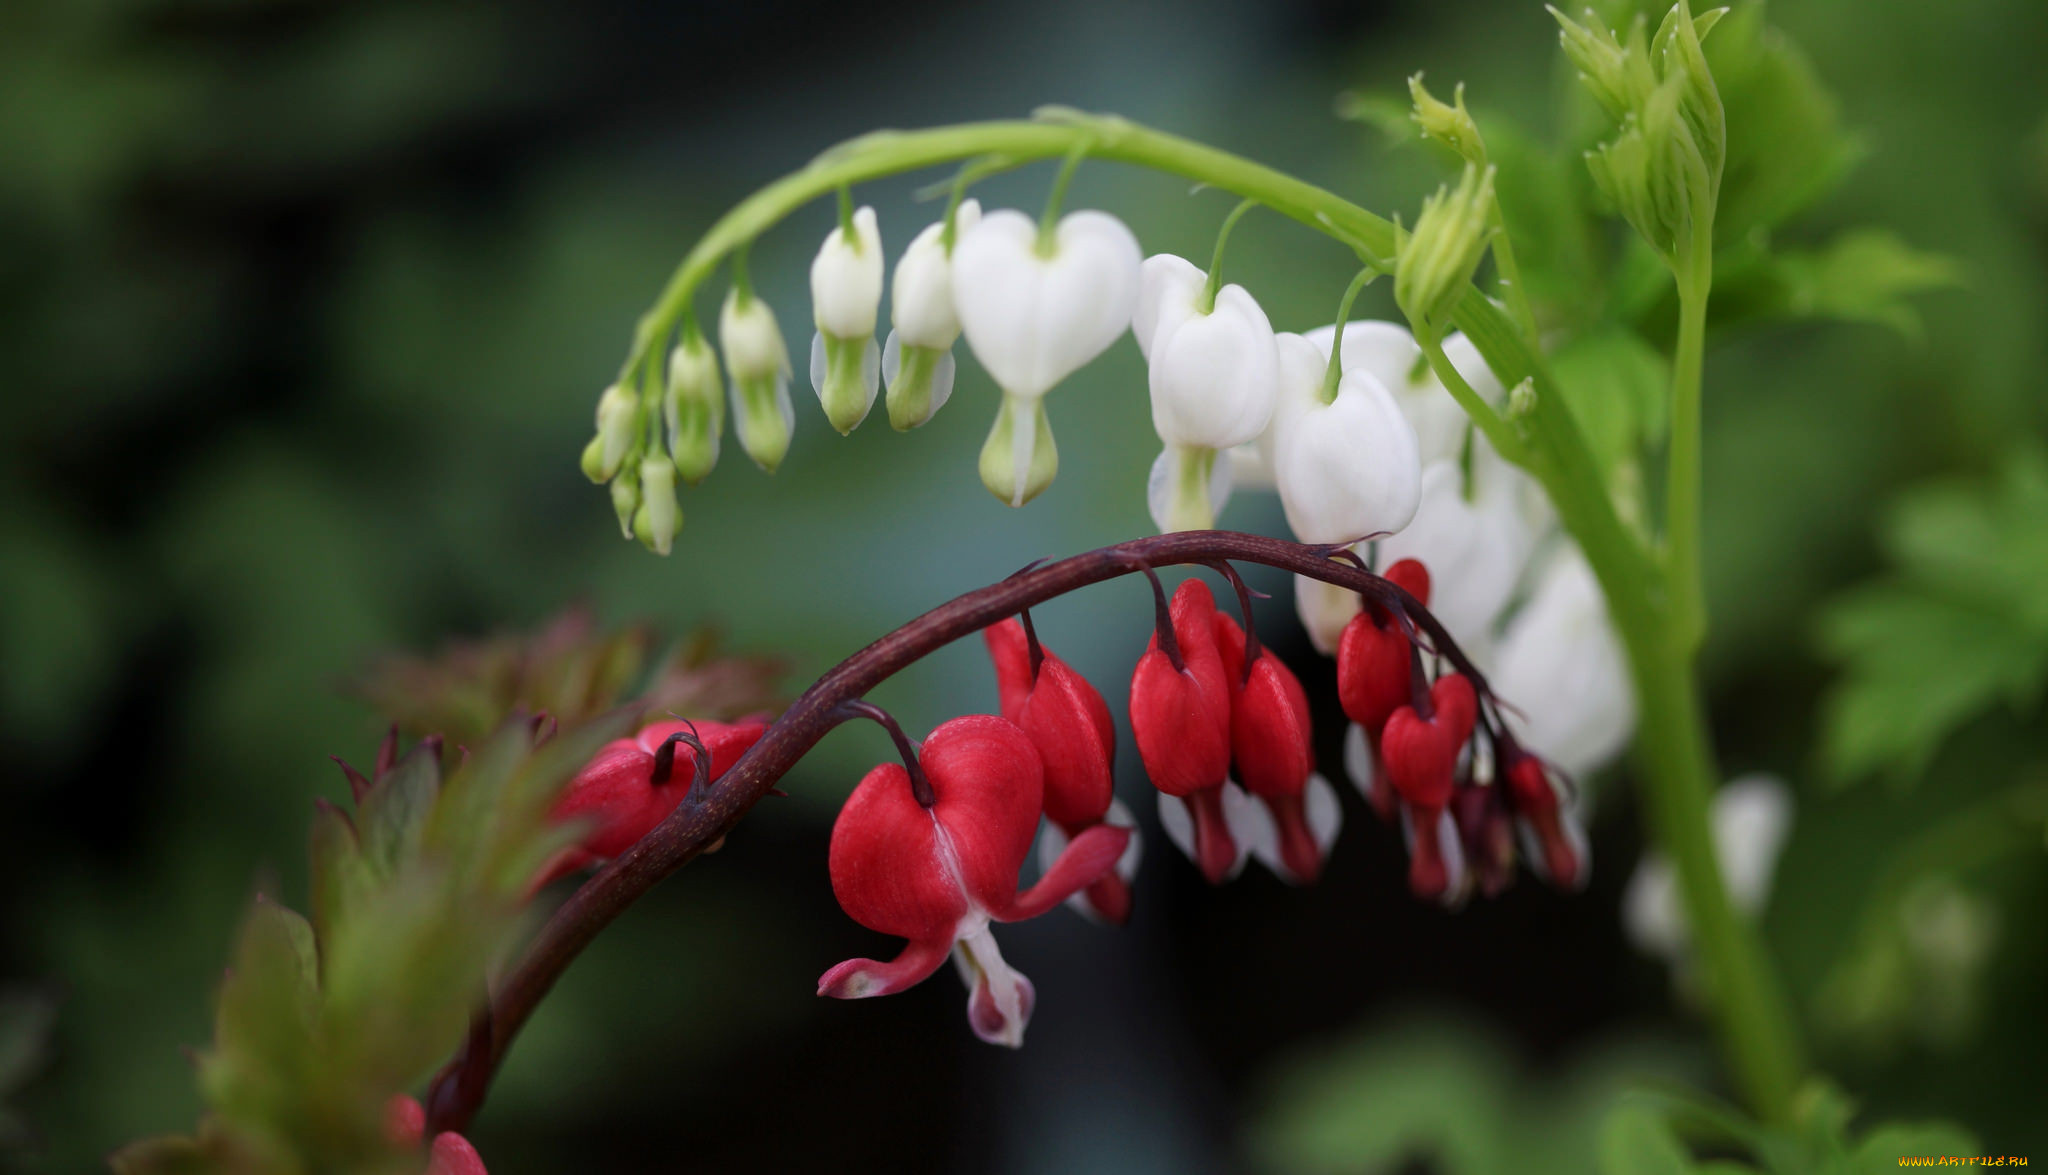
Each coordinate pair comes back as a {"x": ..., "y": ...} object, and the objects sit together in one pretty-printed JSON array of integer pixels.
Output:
[
  {"x": 1435, "y": 262},
  {"x": 846, "y": 291},
  {"x": 917, "y": 361},
  {"x": 694, "y": 405},
  {"x": 658, "y": 517},
  {"x": 618, "y": 421},
  {"x": 626, "y": 499},
  {"x": 1350, "y": 468},
  {"x": 1450, "y": 125},
  {"x": 757, "y": 363}
]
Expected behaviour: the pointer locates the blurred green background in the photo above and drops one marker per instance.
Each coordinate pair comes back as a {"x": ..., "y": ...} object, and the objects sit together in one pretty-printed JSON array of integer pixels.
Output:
[{"x": 303, "y": 309}]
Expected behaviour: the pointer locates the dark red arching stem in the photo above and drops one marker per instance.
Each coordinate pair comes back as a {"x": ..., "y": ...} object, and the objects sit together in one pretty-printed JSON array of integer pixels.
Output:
[
  {"x": 906, "y": 750},
  {"x": 665, "y": 758},
  {"x": 703, "y": 820},
  {"x": 1162, "y": 621}
]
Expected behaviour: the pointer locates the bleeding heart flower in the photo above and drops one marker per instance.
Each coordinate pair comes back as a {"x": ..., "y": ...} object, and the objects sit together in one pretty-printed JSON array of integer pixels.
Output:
[
  {"x": 1180, "y": 719},
  {"x": 1486, "y": 831},
  {"x": 1034, "y": 315},
  {"x": 1069, "y": 723},
  {"x": 1273, "y": 748},
  {"x": 1472, "y": 532},
  {"x": 632, "y": 784},
  {"x": 1349, "y": 469},
  {"x": 1374, "y": 659},
  {"x": 1420, "y": 754},
  {"x": 939, "y": 874},
  {"x": 1540, "y": 805}
]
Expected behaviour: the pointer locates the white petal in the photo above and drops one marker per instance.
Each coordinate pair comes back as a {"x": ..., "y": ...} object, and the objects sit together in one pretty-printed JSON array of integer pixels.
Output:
[
  {"x": 846, "y": 279},
  {"x": 1214, "y": 376},
  {"x": 1031, "y": 320},
  {"x": 1350, "y": 468},
  {"x": 1167, "y": 286},
  {"x": 1324, "y": 609},
  {"x": 921, "y": 295},
  {"x": 1179, "y": 825},
  {"x": 1752, "y": 817},
  {"x": 942, "y": 371},
  {"x": 1562, "y": 672},
  {"x": 1164, "y": 480},
  {"x": 999, "y": 998}
]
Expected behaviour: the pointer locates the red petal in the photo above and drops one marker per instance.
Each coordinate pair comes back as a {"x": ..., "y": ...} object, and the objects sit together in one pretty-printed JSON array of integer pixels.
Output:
[
  {"x": 1420, "y": 758},
  {"x": 1215, "y": 848},
  {"x": 1181, "y": 720},
  {"x": 1269, "y": 732},
  {"x": 454, "y": 1156},
  {"x": 1373, "y": 668},
  {"x": 405, "y": 1121},
  {"x": 1011, "y": 653},
  {"x": 616, "y": 787},
  {"x": 1060, "y": 716},
  {"x": 1412, "y": 577},
  {"x": 858, "y": 979},
  {"x": 1088, "y": 858},
  {"x": 990, "y": 787},
  {"x": 1298, "y": 848},
  {"x": 886, "y": 866}
]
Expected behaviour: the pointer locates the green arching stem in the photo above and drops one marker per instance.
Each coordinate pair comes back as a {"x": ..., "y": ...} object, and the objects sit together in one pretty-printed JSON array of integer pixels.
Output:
[
  {"x": 1755, "y": 1025},
  {"x": 1511, "y": 276},
  {"x": 742, "y": 288},
  {"x": 1206, "y": 304},
  {"x": 1333, "y": 375}
]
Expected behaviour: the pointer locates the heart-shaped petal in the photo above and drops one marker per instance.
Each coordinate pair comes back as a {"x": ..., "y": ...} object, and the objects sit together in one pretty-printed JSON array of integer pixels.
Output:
[
  {"x": 1033, "y": 319},
  {"x": 1350, "y": 468}
]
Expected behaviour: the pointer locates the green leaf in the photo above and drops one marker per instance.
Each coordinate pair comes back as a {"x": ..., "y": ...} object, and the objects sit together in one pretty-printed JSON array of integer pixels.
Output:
[
  {"x": 1884, "y": 1146},
  {"x": 1863, "y": 275},
  {"x": 1617, "y": 386},
  {"x": 1786, "y": 144},
  {"x": 1961, "y": 626},
  {"x": 395, "y": 811},
  {"x": 1635, "y": 1141}
]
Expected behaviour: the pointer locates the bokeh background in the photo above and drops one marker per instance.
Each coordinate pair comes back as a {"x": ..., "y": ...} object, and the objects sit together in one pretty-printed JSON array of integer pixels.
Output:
[{"x": 303, "y": 308}]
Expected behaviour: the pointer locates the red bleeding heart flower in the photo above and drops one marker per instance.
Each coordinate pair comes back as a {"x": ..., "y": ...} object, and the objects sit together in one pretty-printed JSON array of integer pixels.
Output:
[
  {"x": 1553, "y": 840},
  {"x": 1069, "y": 723},
  {"x": 405, "y": 1124},
  {"x": 1373, "y": 660},
  {"x": 1420, "y": 754},
  {"x": 1273, "y": 748},
  {"x": 1486, "y": 832},
  {"x": 1180, "y": 719},
  {"x": 632, "y": 784},
  {"x": 939, "y": 874}
]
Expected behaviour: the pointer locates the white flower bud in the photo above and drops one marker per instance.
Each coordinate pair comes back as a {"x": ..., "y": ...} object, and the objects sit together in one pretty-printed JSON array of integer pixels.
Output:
[
  {"x": 921, "y": 295},
  {"x": 1035, "y": 318},
  {"x": 757, "y": 363},
  {"x": 917, "y": 361},
  {"x": 1214, "y": 372},
  {"x": 846, "y": 279},
  {"x": 618, "y": 417},
  {"x": 658, "y": 517},
  {"x": 1349, "y": 469},
  {"x": 1475, "y": 546},
  {"x": 694, "y": 405},
  {"x": 1562, "y": 672}
]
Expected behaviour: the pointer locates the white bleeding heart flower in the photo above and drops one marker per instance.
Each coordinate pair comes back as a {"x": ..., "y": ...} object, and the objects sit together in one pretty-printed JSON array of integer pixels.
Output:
[
  {"x": 1349, "y": 469},
  {"x": 757, "y": 366},
  {"x": 1034, "y": 316},
  {"x": 917, "y": 360},
  {"x": 1215, "y": 370},
  {"x": 1299, "y": 389},
  {"x": 1751, "y": 817},
  {"x": 846, "y": 291},
  {"x": 1390, "y": 352},
  {"x": 1563, "y": 670},
  {"x": 1475, "y": 544}
]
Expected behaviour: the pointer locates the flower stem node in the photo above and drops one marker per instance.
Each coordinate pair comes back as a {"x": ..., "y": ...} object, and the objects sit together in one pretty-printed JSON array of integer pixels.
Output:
[
  {"x": 1450, "y": 125},
  {"x": 1435, "y": 262},
  {"x": 846, "y": 292},
  {"x": 618, "y": 426},
  {"x": 693, "y": 405},
  {"x": 757, "y": 365},
  {"x": 658, "y": 517},
  {"x": 917, "y": 360},
  {"x": 939, "y": 876}
]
